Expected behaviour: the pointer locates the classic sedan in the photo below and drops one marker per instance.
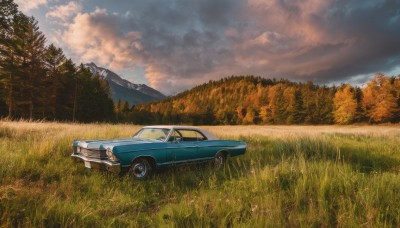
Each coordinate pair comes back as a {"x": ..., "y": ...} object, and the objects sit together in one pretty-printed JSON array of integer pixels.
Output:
[{"x": 153, "y": 147}]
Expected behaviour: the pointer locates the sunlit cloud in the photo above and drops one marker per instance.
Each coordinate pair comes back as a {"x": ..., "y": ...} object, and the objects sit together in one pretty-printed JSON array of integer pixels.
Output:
[
  {"x": 184, "y": 43},
  {"x": 26, "y": 6},
  {"x": 64, "y": 12},
  {"x": 97, "y": 37}
]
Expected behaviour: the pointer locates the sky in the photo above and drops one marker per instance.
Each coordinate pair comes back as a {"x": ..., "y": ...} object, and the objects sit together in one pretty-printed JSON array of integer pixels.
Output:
[{"x": 173, "y": 45}]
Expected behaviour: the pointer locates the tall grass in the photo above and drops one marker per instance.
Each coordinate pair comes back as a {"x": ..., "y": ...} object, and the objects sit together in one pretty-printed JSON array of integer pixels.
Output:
[{"x": 332, "y": 176}]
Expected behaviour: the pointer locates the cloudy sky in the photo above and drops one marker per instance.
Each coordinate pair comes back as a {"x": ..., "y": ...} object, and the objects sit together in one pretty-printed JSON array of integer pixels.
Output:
[{"x": 175, "y": 44}]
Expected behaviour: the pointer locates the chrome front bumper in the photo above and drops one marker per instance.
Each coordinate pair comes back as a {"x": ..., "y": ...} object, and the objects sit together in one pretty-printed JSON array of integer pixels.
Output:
[{"x": 103, "y": 164}]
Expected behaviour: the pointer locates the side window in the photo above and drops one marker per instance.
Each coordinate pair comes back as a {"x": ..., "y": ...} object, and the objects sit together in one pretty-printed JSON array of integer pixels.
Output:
[
  {"x": 192, "y": 135},
  {"x": 200, "y": 137},
  {"x": 173, "y": 136}
]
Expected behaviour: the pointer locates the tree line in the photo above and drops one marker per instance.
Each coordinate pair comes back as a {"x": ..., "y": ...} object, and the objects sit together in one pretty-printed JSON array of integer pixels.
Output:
[
  {"x": 39, "y": 82},
  {"x": 255, "y": 100}
]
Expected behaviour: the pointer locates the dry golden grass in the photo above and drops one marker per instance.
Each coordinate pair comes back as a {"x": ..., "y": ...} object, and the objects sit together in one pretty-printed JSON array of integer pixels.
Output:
[
  {"x": 273, "y": 131},
  {"x": 318, "y": 176},
  {"x": 282, "y": 131}
]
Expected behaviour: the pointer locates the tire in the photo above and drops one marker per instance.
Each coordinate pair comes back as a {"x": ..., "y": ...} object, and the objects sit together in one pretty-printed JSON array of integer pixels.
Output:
[
  {"x": 219, "y": 160},
  {"x": 140, "y": 169}
]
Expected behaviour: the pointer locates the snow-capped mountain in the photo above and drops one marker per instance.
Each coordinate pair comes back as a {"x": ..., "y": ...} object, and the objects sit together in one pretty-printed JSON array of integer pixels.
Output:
[{"x": 124, "y": 89}]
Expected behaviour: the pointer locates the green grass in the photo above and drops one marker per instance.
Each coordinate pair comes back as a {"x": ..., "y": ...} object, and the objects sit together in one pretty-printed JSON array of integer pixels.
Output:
[{"x": 327, "y": 179}]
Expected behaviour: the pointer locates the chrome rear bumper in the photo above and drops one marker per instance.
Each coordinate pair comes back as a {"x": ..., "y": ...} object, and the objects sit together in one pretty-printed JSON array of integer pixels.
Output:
[{"x": 103, "y": 164}]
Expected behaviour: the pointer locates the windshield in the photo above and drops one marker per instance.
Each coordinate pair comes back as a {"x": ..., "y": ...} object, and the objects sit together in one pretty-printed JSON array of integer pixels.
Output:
[{"x": 152, "y": 133}]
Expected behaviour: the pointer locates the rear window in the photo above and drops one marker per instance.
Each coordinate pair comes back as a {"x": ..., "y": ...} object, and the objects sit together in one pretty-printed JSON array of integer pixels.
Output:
[{"x": 191, "y": 135}]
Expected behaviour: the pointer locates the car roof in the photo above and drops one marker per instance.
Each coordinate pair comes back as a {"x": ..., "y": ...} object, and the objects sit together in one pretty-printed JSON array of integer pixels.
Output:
[
  {"x": 207, "y": 133},
  {"x": 171, "y": 127}
]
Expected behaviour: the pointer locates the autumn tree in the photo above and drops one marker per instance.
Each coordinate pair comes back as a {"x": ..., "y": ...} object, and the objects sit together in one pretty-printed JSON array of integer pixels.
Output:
[
  {"x": 380, "y": 101},
  {"x": 253, "y": 100},
  {"x": 345, "y": 105}
]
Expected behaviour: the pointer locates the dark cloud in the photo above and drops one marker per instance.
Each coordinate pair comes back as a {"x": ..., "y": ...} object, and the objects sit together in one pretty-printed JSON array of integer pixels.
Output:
[{"x": 181, "y": 43}]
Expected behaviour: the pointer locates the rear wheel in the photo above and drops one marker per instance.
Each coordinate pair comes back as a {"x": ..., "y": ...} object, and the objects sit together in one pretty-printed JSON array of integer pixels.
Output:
[
  {"x": 141, "y": 169},
  {"x": 220, "y": 159}
]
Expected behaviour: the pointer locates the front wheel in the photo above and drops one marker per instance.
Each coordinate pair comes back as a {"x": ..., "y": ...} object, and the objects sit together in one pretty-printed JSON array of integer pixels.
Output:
[
  {"x": 220, "y": 159},
  {"x": 140, "y": 169}
]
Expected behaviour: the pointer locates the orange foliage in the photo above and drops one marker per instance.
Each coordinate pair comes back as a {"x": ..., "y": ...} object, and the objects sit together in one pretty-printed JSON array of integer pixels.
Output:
[
  {"x": 345, "y": 105},
  {"x": 380, "y": 99}
]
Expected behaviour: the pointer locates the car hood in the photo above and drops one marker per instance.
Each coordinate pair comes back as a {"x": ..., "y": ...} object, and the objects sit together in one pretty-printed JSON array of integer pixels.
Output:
[{"x": 104, "y": 144}]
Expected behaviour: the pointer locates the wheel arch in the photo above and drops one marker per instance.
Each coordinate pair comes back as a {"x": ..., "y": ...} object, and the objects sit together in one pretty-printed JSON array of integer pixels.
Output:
[
  {"x": 150, "y": 159},
  {"x": 224, "y": 151}
]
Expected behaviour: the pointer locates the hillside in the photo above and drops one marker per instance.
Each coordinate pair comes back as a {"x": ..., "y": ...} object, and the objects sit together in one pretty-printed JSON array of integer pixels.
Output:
[{"x": 255, "y": 100}]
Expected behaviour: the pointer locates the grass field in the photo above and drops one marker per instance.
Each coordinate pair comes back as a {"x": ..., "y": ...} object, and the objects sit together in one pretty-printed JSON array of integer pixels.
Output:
[{"x": 291, "y": 176}]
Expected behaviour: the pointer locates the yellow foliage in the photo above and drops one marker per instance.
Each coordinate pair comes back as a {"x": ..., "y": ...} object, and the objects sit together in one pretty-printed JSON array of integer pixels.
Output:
[
  {"x": 345, "y": 105},
  {"x": 380, "y": 98}
]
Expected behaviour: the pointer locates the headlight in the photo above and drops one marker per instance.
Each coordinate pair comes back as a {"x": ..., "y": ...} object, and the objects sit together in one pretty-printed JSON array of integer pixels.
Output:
[{"x": 111, "y": 156}]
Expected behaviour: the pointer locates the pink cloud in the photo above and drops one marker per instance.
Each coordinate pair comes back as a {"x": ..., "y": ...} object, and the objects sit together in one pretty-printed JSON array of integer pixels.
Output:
[
  {"x": 64, "y": 12},
  {"x": 95, "y": 37},
  {"x": 181, "y": 45},
  {"x": 26, "y": 6}
]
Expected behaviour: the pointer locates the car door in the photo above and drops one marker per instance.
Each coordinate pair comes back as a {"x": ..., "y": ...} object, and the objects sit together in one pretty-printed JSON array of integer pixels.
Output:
[
  {"x": 205, "y": 149},
  {"x": 182, "y": 146}
]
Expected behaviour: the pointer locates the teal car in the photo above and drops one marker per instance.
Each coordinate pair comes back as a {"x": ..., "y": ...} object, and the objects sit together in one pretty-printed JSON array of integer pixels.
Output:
[{"x": 154, "y": 147}]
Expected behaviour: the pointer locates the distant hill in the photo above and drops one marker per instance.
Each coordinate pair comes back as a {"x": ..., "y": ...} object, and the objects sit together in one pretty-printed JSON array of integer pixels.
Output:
[
  {"x": 125, "y": 90},
  {"x": 256, "y": 100},
  {"x": 242, "y": 100}
]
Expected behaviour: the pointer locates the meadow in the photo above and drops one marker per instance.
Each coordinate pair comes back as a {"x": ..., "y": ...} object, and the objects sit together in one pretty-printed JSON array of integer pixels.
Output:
[{"x": 345, "y": 176}]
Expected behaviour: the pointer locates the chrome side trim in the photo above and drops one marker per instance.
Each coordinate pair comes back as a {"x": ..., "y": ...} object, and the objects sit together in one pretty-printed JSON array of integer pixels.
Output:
[
  {"x": 187, "y": 161},
  {"x": 164, "y": 148},
  {"x": 106, "y": 162}
]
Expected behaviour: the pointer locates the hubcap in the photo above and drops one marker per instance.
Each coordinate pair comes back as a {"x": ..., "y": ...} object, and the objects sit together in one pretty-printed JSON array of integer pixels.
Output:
[
  {"x": 219, "y": 160},
  {"x": 139, "y": 170}
]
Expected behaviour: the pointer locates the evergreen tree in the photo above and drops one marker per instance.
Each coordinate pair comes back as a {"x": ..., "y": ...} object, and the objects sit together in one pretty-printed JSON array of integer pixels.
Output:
[
  {"x": 67, "y": 92},
  {"x": 54, "y": 58},
  {"x": 34, "y": 49},
  {"x": 125, "y": 108},
  {"x": 298, "y": 109},
  {"x": 11, "y": 59},
  {"x": 38, "y": 83}
]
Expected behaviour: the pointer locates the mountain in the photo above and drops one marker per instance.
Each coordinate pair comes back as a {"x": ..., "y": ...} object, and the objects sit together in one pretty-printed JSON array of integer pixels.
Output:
[{"x": 124, "y": 89}]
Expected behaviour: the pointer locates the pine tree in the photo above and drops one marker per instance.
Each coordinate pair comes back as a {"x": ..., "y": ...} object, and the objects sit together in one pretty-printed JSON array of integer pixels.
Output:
[
  {"x": 8, "y": 10},
  {"x": 68, "y": 91},
  {"x": 11, "y": 60},
  {"x": 298, "y": 109},
  {"x": 54, "y": 58},
  {"x": 125, "y": 108},
  {"x": 33, "y": 70}
]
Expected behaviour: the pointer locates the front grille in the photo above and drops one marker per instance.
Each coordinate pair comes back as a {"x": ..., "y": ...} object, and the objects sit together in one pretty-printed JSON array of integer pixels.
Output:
[{"x": 91, "y": 153}]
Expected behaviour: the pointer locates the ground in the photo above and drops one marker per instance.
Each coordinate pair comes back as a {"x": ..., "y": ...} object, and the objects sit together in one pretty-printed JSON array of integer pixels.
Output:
[{"x": 290, "y": 176}]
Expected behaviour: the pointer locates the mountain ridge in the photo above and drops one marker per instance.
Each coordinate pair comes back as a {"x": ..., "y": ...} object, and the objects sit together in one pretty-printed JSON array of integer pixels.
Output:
[{"x": 122, "y": 89}]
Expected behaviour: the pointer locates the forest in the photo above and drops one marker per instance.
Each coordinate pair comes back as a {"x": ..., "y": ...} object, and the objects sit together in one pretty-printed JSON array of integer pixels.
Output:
[
  {"x": 38, "y": 82},
  {"x": 255, "y": 100}
]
